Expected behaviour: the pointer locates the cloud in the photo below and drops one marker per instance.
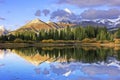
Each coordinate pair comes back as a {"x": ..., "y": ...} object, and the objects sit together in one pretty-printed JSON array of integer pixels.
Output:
[
  {"x": 91, "y": 3},
  {"x": 1, "y": 18},
  {"x": 93, "y": 70},
  {"x": 46, "y": 12},
  {"x": 8, "y": 12},
  {"x": 38, "y": 13},
  {"x": 60, "y": 69},
  {"x": 89, "y": 69},
  {"x": 100, "y": 14},
  {"x": 64, "y": 15}
]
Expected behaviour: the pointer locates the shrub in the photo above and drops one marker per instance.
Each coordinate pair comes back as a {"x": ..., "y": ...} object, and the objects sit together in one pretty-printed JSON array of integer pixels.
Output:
[
  {"x": 48, "y": 41},
  {"x": 117, "y": 41},
  {"x": 103, "y": 41},
  {"x": 86, "y": 40},
  {"x": 18, "y": 40}
]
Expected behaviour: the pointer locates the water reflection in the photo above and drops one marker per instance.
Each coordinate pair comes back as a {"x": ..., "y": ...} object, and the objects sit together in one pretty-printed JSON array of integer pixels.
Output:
[
  {"x": 81, "y": 54},
  {"x": 69, "y": 63}
]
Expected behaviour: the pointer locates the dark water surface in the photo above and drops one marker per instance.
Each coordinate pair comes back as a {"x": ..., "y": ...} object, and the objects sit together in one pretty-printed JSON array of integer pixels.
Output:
[{"x": 68, "y": 63}]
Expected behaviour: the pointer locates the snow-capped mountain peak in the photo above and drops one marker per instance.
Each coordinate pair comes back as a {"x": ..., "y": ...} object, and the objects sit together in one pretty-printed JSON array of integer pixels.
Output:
[
  {"x": 115, "y": 20},
  {"x": 2, "y": 28},
  {"x": 110, "y": 23},
  {"x": 103, "y": 21},
  {"x": 68, "y": 11},
  {"x": 3, "y": 31}
]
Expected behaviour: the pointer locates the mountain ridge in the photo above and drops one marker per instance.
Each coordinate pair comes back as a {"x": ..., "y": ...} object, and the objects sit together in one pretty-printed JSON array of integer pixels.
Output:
[
  {"x": 108, "y": 23},
  {"x": 37, "y": 25}
]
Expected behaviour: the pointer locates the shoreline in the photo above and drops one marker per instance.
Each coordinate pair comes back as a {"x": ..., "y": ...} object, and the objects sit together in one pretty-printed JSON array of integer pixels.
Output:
[{"x": 53, "y": 44}]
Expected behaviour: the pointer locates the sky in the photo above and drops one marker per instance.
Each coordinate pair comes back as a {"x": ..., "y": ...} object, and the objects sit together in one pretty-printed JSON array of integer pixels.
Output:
[{"x": 16, "y": 13}]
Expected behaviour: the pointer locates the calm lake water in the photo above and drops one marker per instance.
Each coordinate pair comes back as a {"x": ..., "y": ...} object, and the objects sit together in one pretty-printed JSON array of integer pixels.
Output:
[{"x": 60, "y": 63}]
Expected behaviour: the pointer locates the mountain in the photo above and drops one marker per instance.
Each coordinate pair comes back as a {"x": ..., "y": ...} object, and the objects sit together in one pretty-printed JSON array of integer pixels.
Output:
[
  {"x": 3, "y": 31},
  {"x": 109, "y": 23},
  {"x": 36, "y": 59},
  {"x": 37, "y": 25},
  {"x": 90, "y": 23}
]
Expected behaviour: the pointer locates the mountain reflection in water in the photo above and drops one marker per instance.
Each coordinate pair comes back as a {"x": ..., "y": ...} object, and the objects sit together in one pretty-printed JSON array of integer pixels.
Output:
[{"x": 68, "y": 63}]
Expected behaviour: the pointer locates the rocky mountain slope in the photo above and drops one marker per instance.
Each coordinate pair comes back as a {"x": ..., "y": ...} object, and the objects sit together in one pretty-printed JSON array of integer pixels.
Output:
[{"x": 37, "y": 25}]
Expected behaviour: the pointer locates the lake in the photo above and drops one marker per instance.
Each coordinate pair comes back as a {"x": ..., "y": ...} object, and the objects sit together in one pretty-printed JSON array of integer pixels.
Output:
[{"x": 60, "y": 63}]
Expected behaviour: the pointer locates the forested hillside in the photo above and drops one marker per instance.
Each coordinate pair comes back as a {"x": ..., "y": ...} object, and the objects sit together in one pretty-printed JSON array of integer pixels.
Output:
[{"x": 78, "y": 33}]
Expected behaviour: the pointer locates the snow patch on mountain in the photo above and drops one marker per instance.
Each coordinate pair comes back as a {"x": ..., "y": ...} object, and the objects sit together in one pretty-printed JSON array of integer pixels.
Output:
[
  {"x": 110, "y": 23},
  {"x": 68, "y": 11}
]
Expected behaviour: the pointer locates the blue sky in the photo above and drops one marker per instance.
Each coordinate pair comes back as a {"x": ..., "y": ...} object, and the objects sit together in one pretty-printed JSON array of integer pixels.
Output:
[{"x": 15, "y": 13}]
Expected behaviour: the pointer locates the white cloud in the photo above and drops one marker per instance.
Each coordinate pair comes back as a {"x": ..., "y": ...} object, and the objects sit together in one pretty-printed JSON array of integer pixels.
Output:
[{"x": 65, "y": 14}]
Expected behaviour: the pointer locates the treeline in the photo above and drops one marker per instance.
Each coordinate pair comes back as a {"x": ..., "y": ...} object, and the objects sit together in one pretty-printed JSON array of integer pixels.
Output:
[
  {"x": 78, "y": 54},
  {"x": 78, "y": 33}
]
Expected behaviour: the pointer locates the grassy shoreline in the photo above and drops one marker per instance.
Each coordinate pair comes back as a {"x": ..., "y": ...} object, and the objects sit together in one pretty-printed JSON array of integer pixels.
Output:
[{"x": 56, "y": 44}]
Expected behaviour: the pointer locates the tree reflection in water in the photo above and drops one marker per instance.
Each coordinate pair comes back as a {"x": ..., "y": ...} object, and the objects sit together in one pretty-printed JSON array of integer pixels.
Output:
[{"x": 68, "y": 54}]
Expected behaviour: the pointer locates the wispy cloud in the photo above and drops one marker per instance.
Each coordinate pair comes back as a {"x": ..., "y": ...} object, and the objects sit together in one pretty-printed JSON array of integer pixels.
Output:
[
  {"x": 38, "y": 13},
  {"x": 1, "y": 18},
  {"x": 100, "y": 14},
  {"x": 95, "y": 69},
  {"x": 46, "y": 12},
  {"x": 91, "y": 3},
  {"x": 64, "y": 15}
]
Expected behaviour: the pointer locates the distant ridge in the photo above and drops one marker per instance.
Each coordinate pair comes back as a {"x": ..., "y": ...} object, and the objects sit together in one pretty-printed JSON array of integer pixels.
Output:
[{"x": 37, "y": 25}]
